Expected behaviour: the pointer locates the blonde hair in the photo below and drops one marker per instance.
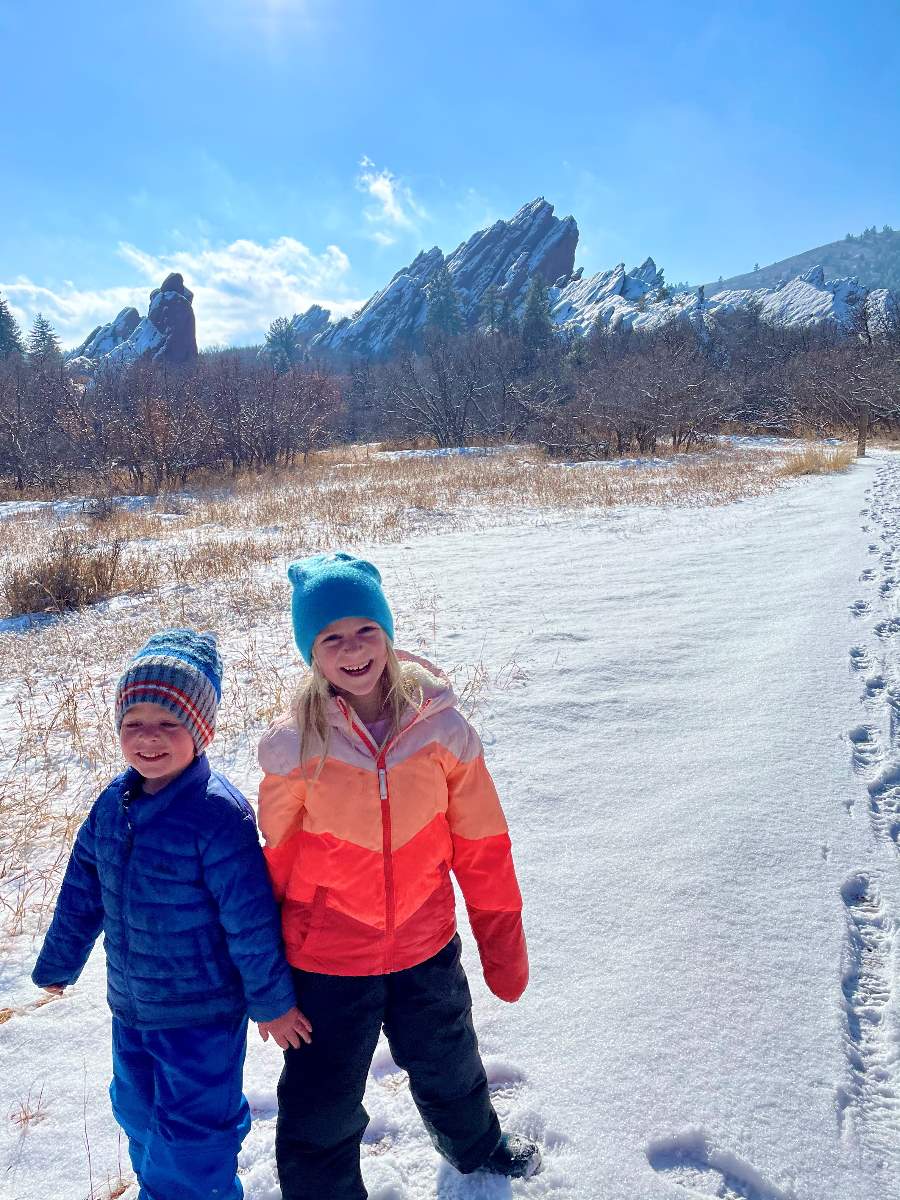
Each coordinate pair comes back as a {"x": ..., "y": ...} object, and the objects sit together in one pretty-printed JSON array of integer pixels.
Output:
[{"x": 402, "y": 688}]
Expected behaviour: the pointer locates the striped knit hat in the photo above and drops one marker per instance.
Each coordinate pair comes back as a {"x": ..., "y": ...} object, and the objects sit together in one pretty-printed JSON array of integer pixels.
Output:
[{"x": 180, "y": 670}]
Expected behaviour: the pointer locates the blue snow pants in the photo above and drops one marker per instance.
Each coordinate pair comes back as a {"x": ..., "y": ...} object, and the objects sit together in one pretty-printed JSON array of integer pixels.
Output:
[{"x": 177, "y": 1094}]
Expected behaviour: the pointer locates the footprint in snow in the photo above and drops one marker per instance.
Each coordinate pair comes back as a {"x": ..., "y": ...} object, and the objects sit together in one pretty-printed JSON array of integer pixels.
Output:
[
  {"x": 884, "y": 805},
  {"x": 859, "y": 608},
  {"x": 866, "y": 747},
  {"x": 380, "y": 1135},
  {"x": 859, "y": 658},
  {"x": 867, "y": 575},
  {"x": 385, "y": 1071},
  {"x": 504, "y": 1079},
  {"x": 875, "y": 686},
  {"x": 871, "y": 1097},
  {"x": 888, "y": 629},
  {"x": 693, "y": 1162}
]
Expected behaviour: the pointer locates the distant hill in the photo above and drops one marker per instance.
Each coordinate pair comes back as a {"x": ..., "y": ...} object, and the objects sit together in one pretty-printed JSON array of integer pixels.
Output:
[{"x": 872, "y": 258}]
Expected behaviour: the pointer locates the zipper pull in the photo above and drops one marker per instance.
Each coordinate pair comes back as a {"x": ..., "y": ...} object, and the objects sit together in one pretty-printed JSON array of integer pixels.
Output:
[{"x": 382, "y": 783}]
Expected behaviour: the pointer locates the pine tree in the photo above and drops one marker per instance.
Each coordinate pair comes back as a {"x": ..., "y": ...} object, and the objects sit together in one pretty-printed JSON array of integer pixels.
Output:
[
  {"x": 43, "y": 344},
  {"x": 490, "y": 310},
  {"x": 444, "y": 312},
  {"x": 537, "y": 323},
  {"x": 282, "y": 344},
  {"x": 508, "y": 325},
  {"x": 10, "y": 334}
]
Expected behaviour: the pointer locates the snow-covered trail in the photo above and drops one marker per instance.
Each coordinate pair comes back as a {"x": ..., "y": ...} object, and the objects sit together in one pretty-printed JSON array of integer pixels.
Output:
[{"x": 697, "y": 748}]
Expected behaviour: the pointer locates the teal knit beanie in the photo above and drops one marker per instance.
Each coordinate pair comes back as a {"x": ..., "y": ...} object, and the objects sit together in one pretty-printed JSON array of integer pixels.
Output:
[{"x": 329, "y": 587}]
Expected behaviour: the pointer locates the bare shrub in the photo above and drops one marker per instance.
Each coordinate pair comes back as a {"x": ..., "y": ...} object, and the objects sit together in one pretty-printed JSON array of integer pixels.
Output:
[{"x": 68, "y": 575}]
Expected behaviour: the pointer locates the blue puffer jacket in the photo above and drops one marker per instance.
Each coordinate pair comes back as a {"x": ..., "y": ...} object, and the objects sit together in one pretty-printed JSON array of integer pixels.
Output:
[{"x": 178, "y": 884}]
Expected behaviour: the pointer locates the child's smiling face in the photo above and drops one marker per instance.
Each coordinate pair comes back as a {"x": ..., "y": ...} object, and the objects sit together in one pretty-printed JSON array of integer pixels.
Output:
[
  {"x": 156, "y": 744},
  {"x": 352, "y": 654}
]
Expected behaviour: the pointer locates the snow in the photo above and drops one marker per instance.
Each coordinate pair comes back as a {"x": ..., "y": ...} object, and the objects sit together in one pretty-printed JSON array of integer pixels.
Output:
[
  {"x": 447, "y": 452},
  {"x": 86, "y": 504},
  {"x": 694, "y": 744}
]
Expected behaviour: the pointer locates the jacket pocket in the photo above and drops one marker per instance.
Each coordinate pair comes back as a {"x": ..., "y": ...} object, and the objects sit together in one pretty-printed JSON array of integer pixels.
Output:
[
  {"x": 303, "y": 921},
  {"x": 317, "y": 917}
]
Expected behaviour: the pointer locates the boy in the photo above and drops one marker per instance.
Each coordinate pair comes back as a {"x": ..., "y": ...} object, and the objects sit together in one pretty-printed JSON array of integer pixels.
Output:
[{"x": 168, "y": 865}]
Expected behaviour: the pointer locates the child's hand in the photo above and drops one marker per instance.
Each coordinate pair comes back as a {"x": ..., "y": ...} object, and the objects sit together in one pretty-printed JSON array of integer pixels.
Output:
[{"x": 288, "y": 1029}]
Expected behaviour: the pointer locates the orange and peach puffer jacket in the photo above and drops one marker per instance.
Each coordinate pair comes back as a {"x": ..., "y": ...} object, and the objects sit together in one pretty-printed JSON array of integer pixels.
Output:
[{"x": 360, "y": 853}]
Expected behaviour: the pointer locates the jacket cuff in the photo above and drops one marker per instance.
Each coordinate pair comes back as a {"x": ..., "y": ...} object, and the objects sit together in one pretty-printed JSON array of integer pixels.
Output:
[
  {"x": 274, "y": 1005},
  {"x": 504, "y": 955},
  {"x": 47, "y": 973}
]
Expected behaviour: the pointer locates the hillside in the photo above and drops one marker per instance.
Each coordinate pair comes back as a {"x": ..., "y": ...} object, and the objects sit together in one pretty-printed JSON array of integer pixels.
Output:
[{"x": 871, "y": 258}]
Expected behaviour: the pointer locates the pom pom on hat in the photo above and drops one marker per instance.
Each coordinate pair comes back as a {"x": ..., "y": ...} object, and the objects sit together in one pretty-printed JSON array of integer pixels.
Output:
[
  {"x": 329, "y": 587},
  {"x": 180, "y": 670}
]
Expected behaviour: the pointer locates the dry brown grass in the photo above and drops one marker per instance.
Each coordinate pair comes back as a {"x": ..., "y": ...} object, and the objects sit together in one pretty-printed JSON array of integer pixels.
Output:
[
  {"x": 346, "y": 496},
  {"x": 816, "y": 459},
  {"x": 29, "y": 1111}
]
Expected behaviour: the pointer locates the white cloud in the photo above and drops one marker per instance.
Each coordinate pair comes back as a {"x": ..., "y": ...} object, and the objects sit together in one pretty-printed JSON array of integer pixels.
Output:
[
  {"x": 394, "y": 207},
  {"x": 238, "y": 289}
]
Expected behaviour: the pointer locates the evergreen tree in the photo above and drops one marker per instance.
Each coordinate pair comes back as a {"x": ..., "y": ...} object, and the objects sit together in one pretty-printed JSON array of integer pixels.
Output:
[
  {"x": 10, "y": 334},
  {"x": 490, "y": 310},
  {"x": 43, "y": 344},
  {"x": 508, "y": 325},
  {"x": 444, "y": 312},
  {"x": 756, "y": 266},
  {"x": 701, "y": 294},
  {"x": 537, "y": 324},
  {"x": 283, "y": 344}
]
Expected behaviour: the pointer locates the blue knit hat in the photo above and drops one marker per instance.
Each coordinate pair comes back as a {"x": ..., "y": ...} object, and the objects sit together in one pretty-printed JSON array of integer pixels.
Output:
[
  {"x": 180, "y": 670},
  {"x": 329, "y": 587}
]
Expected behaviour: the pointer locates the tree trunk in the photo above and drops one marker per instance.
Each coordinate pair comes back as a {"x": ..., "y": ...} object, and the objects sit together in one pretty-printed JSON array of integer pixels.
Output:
[{"x": 863, "y": 429}]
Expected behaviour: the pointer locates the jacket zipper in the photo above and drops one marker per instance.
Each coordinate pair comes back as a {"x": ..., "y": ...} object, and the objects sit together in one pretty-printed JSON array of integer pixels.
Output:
[
  {"x": 126, "y": 906},
  {"x": 390, "y": 914},
  {"x": 384, "y": 796}
]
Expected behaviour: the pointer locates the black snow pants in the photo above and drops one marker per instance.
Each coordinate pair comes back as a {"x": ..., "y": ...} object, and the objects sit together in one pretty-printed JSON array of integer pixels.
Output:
[{"x": 426, "y": 1013}]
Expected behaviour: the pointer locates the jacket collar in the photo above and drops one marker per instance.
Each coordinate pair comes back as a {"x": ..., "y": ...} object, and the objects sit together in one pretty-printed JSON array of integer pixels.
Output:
[
  {"x": 437, "y": 694},
  {"x": 143, "y": 807}
]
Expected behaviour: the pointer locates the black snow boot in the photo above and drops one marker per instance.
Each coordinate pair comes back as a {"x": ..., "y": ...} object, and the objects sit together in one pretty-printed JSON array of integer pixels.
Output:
[{"x": 515, "y": 1156}]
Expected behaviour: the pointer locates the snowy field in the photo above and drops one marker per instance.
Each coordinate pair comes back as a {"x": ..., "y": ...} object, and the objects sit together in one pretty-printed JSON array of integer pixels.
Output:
[{"x": 692, "y": 727}]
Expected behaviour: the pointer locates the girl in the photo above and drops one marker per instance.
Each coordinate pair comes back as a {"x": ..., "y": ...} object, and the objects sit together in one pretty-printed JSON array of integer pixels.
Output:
[{"x": 374, "y": 787}]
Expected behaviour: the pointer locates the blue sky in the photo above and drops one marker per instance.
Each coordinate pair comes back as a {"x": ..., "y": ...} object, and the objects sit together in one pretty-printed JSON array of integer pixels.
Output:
[{"x": 285, "y": 152}]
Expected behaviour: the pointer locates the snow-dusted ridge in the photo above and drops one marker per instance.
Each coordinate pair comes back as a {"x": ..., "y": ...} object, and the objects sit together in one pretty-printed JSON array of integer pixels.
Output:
[
  {"x": 535, "y": 241},
  {"x": 504, "y": 258}
]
